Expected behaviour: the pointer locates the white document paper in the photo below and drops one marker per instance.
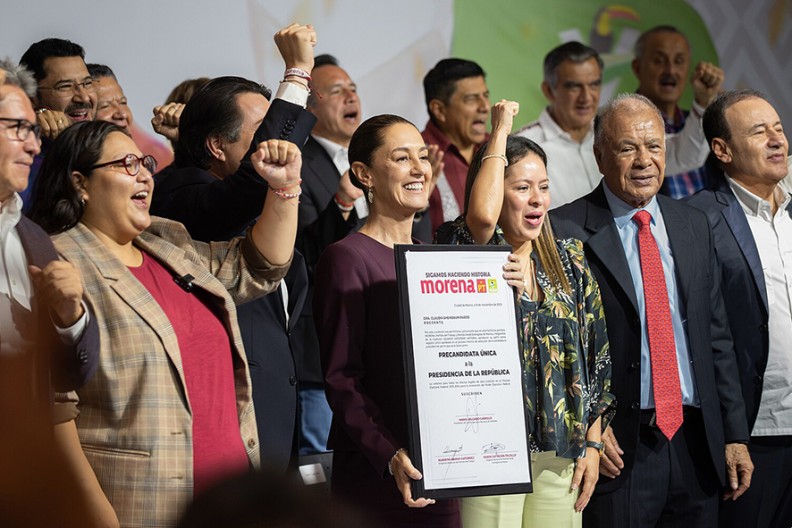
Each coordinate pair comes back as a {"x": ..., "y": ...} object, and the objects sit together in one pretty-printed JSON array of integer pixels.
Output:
[{"x": 468, "y": 374}]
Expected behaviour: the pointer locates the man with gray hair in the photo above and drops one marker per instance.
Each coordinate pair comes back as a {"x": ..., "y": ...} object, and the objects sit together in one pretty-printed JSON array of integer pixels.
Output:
[
  {"x": 572, "y": 84},
  {"x": 679, "y": 431},
  {"x": 47, "y": 338},
  {"x": 751, "y": 217}
]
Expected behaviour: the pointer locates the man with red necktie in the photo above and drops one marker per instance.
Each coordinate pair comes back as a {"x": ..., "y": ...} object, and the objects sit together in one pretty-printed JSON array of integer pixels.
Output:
[{"x": 679, "y": 433}]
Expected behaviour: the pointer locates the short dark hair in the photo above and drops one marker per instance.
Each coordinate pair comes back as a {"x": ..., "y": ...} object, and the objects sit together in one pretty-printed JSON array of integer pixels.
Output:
[
  {"x": 97, "y": 71},
  {"x": 517, "y": 147},
  {"x": 212, "y": 111},
  {"x": 440, "y": 82},
  {"x": 574, "y": 52},
  {"x": 714, "y": 120},
  {"x": 324, "y": 59},
  {"x": 37, "y": 53},
  {"x": 56, "y": 204},
  {"x": 638, "y": 49},
  {"x": 368, "y": 137}
]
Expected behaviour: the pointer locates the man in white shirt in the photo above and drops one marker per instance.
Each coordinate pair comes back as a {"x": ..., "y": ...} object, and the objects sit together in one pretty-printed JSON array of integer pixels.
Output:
[
  {"x": 564, "y": 129},
  {"x": 330, "y": 206},
  {"x": 47, "y": 338},
  {"x": 751, "y": 216}
]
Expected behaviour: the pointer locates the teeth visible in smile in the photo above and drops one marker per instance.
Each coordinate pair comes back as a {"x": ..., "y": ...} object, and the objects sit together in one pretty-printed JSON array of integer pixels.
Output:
[
  {"x": 142, "y": 195},
  {"x": 414, "y": 186}
]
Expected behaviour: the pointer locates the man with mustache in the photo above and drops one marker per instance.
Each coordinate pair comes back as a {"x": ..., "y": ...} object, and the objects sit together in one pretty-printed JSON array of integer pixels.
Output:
[
  {"x": 66, "y": 92},
  {"x": 662, "y": 59}
]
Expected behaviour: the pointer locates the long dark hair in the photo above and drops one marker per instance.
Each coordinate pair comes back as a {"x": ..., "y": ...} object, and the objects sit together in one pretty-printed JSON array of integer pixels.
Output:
[
  {"x": 517, "y": 148},
  {"x": 56, "y": 203}
]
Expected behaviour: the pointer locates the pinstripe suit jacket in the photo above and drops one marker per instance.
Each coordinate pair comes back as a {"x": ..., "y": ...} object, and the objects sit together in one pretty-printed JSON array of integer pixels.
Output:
[{"x": 135, "y": 422}]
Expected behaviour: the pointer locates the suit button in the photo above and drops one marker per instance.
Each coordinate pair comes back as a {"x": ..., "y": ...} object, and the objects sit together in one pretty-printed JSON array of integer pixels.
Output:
[
  {"x": 83, "y": 357},
  {"x": 292, "y": 380},
  {"x": 635, "y": 365},
  {"x": 636, "y": 321},
  {"x": 635, "y": 406},
  {"x": 251, "y": 443},
  {"x": 763, "y": 327},
  {"x": 757, "y": 379}
]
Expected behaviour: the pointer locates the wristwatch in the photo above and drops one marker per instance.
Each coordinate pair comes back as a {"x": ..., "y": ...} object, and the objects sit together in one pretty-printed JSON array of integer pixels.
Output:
[{"x": 599, "y": 446}]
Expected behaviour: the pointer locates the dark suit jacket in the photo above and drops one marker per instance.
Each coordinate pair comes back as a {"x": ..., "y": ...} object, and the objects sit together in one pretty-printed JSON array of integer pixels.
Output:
[
  {"x": 213, "y": 209},
  {"x": 273, "y": 347},
  {"x": 69, "y": 367},
  {"x": 320, "y": 222},
  {"x": 743, "y": 286},
  {"x": 712, "y": 354}
]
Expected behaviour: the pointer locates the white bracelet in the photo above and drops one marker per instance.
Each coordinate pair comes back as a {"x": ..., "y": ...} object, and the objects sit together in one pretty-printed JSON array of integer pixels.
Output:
[{"x": 499, "y": 156}]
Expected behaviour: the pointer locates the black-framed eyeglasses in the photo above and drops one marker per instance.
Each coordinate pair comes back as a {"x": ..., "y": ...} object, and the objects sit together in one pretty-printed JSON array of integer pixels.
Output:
[
  {"x": 22, "y": 128},
  {"x": 71, "y": 88},
  {"x": 131, "y": 164}
]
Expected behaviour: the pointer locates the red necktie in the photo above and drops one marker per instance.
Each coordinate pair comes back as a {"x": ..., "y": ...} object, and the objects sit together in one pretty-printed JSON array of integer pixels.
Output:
[{"x": 665, "y": 373}]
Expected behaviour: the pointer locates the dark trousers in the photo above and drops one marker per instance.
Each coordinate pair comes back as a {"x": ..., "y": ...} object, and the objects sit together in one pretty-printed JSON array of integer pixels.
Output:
[
  {"x": 672, "y": 483},
  {"x": 768, "y": 502}
]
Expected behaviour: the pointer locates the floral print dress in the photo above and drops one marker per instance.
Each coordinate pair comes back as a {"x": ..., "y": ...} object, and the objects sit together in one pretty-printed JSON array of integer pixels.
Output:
[{"x": 565, "y": 353}]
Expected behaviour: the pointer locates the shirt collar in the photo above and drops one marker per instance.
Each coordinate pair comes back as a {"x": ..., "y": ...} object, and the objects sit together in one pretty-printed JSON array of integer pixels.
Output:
[
  {"x": 436, "y": 136},
  {"x": 623, "y": 212},
  {"x": 10, "y": 214},
  {"x": 331, "y": 147},
  {"x": 753, "y": 205},
  {"x": 552, "y": 129}
]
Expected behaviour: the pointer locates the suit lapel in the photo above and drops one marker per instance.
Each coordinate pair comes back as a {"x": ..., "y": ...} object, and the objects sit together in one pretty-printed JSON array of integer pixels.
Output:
[
  {"x": 679, "y": 237},
  {"x": 735, "y": 218},
  {"x": 298, "y": 289},
  {"x": 37, "y": 245},
  {"x": 319, "y": 161},
  {"x": 605, "y": 243}
]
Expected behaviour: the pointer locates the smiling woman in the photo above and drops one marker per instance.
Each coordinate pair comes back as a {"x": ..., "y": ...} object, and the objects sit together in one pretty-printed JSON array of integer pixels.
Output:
[
  {"x": 165, "y": 307},
  {"x": 357, "y": 321}
]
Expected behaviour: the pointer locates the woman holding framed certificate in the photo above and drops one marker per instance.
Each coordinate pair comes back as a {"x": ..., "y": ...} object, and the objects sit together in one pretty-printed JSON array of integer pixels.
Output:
[
  {"x": 563, "y": 336},
  {"x": 356, "y": 312}
]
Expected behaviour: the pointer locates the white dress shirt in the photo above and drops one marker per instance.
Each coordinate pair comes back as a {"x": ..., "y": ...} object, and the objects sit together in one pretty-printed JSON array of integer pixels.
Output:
[
  {"x": 628, "y": 233},
  {"x": 340, "y": 156},
  {"x": 773, "y": 236},
  {"x": 15, "y": 282}
]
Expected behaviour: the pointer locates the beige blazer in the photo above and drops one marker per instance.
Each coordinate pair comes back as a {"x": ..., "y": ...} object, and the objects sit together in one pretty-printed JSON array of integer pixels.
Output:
[{"x": 135, "y": 421}]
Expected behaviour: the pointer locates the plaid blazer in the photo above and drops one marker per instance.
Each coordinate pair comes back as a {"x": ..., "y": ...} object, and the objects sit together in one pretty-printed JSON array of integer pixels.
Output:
[{"x": 135, "y": 421}]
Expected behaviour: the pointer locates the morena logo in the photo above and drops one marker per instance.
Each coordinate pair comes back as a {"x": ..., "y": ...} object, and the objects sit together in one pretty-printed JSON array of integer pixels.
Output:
[{"x": 459, "y": 286}]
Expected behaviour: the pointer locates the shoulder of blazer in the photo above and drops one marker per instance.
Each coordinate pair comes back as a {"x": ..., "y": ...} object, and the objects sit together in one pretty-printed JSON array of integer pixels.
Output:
[{"x": 36, "y": 243}]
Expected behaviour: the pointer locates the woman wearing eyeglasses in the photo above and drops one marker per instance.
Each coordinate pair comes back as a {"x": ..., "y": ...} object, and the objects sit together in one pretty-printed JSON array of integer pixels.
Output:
[{"x": 169, "y": 410}]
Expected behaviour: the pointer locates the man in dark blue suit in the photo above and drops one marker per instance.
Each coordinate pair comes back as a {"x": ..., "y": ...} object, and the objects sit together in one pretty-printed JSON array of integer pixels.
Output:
[
  {"x": 679, "y": 430},
  {"x": 751, "y": 218},
  {"x": 214, "y": 191}
]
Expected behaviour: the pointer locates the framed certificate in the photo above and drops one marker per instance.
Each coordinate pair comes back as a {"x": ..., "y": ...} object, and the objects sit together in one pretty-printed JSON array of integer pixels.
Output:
[{"x": 467, "y": 416}]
